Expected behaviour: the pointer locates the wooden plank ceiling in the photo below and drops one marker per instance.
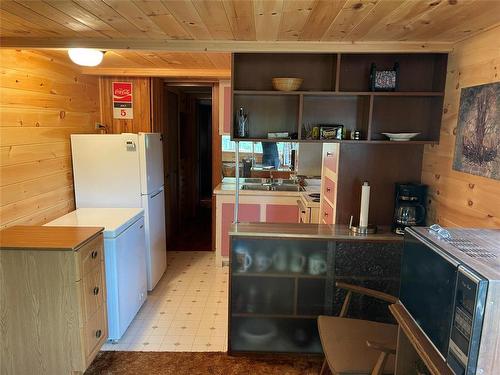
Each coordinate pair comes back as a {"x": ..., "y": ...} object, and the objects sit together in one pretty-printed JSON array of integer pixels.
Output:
[
  {"x": 126, "y": 23},
  {"x": 199, "y": 65}
]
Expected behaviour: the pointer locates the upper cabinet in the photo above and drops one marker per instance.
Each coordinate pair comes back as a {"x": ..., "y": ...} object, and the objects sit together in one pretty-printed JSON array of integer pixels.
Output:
[
  {"x": 336, "y": 91},
  {"x": 224, "y": 107}
]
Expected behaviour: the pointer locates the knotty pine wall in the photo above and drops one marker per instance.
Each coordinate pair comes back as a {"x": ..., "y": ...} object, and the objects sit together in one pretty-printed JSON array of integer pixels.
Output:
[
  {"x": 43, "y": 99},
  {"x": 141, "y": 101},
  {"x": 459, "y": 199}
]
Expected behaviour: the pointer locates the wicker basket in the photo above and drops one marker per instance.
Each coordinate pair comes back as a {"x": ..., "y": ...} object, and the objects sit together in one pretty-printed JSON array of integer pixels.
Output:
[{"x": 287, "y": 84}]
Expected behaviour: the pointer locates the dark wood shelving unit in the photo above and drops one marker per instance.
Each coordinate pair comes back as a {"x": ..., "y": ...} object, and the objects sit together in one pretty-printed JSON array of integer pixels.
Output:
[
  {"x": 289, "y": 275},
  {"x": 336, "y": 90},
  {"x": 274, "y": 316},
  {"x": 339, "y": 93},
  {"x": 291, "y": 302}
]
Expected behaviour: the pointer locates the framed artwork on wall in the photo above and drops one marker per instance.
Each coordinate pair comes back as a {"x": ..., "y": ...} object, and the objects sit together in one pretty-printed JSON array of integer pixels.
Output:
[{"x": 477, "y": 144}]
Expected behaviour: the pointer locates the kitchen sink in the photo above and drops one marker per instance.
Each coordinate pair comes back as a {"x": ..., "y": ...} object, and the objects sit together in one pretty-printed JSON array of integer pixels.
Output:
[
  {"x": 269, "y": 187},
  {"x": 286, "y": 188},
  {"x": 256, "y": 187}
]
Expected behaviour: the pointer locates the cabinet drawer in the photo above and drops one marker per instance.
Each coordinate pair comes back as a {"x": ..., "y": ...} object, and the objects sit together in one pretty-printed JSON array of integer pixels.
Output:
[
  {"x": 327, "y": 213},
  {"x": 89, "y": 256},
  {"x": 92, "y": 292},
  {"x": 330, "y": 160},
  {"x": 95, "y": 332},
  {"x": 329, "y": 190}
]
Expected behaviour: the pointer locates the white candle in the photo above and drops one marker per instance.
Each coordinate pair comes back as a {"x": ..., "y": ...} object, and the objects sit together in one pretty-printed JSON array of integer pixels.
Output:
[{"x": 365, "y": 205}]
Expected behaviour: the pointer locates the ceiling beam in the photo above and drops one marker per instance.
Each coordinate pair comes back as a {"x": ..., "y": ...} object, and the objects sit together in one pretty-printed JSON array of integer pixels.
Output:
[
  {"x": 203, "y": 74},
  {"x": 224, "y": 46}
]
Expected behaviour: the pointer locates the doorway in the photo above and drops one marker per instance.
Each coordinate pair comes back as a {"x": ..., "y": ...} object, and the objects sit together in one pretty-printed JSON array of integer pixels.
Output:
[{"x": 189, "y": 144}]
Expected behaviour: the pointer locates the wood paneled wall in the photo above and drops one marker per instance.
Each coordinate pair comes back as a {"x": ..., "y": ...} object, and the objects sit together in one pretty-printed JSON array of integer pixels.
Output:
[
  {"x": 42, "y": 101},
  {"x": 141, "y": 87},
  {"x": 459, "y": 199}
]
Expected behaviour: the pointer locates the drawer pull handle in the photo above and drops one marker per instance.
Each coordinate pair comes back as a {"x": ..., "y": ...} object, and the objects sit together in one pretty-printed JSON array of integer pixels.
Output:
[
  {"x": 98, "y": 333},
  {"x": 303, "y": 212},
  {"x": 326, "y": 214},
  {"x": 329, "y": 154},
  {"x": 96, "y": 291},
  {"x": 328, "y": 189},
  {"x": 94, "y": 254}
]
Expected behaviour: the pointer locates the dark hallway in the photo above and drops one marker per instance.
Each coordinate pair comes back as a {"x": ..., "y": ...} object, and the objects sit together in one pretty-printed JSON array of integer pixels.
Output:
[{"x": 193, "y": 215}]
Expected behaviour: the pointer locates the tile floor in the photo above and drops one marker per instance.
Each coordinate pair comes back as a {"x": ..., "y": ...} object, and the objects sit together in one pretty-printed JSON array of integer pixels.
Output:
[{"x": 187, "y": 311}]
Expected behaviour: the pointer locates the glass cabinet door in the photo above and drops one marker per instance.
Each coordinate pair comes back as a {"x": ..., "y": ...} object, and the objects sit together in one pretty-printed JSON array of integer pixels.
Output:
[{"x": 278, "y": 288}]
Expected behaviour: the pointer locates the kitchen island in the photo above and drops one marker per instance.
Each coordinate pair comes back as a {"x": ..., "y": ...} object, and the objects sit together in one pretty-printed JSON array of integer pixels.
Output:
[
  {"x": 282, "y": 276},
  {"x": 276, "y": 201}
]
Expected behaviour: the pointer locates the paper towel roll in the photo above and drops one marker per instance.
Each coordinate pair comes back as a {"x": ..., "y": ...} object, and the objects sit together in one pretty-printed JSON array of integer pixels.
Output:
[{"x": 365, "y": 205}]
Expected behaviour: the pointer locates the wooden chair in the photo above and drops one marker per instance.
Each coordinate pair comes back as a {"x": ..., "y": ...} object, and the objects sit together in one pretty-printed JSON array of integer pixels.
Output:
[{"x": 356, "y": 346}]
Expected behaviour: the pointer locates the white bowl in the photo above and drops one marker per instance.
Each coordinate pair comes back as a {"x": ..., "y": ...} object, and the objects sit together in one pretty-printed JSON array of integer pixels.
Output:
[
  {"x": 258, "y": 331},
  {"x": 400, "y": 137}
]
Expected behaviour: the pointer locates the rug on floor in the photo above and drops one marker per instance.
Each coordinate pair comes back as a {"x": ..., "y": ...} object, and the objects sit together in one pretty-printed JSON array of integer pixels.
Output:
[{"x": 198, "y": 363}]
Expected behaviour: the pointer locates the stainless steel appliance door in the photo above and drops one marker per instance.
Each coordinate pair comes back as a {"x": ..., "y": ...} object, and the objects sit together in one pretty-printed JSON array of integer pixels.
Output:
[{"x": 428, "y": 282}]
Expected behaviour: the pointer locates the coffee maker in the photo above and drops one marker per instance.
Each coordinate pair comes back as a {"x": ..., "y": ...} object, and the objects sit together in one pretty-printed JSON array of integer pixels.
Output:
[{"x": 409, "y": 206}]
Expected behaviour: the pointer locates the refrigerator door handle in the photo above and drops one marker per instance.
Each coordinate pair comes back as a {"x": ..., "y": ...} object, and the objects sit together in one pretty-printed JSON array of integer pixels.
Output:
[{"x": 155, "y": 194}]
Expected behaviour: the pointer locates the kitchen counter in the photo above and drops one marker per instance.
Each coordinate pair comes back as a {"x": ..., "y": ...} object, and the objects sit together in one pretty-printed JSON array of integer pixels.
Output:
[
  {"x": 228, "y": 187},
  {"x": 46, "y": 238},
  {"x": 225, "y": 188},
  {"x": 310, "y": 231}
]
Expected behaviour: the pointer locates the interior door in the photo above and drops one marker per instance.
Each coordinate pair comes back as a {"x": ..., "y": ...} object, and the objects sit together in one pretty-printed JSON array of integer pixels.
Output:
[{"x": 171, "y": 161}]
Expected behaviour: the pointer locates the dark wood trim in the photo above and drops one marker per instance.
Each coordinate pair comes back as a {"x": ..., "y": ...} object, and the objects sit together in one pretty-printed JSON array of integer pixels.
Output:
[
  {"x": 216, "y": 155},
  {"x": 370, "y": 117},
  {"x": 337, "y": 72}
]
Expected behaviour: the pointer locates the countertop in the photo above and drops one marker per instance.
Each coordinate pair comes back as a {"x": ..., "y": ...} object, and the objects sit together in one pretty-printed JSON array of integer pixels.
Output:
[
  {"x": 225, "y": 188},
  {"x": 46, "y": 238},
  {"x": 312, "y": 231},
  {"x": 228, "y": 187}
]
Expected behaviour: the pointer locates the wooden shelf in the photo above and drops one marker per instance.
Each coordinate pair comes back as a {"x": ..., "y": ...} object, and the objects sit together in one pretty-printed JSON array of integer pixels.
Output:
[
  {"x": 335, "y": 91},
  {"x": 349, "y": 141},
  {"x": 271, "y": 316},
  {"x": 387, "y": 142},
  {"x": 277, "y": 274},
  {"x": 339, "y": 93},
  {"x": 265, "y": 140}
]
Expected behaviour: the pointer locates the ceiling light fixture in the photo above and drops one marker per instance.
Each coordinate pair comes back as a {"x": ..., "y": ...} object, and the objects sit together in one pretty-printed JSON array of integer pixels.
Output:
[{"x": 85, "y": 56}]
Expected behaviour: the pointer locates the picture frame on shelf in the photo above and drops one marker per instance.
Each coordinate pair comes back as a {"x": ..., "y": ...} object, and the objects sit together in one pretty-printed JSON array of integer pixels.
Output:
[{"x": 384, "y": 80}]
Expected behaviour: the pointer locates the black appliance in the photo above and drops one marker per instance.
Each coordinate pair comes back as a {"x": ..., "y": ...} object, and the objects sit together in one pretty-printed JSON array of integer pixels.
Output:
[
  {"x": 446, "y": 275},
  {"x": 409, "y": 206}
]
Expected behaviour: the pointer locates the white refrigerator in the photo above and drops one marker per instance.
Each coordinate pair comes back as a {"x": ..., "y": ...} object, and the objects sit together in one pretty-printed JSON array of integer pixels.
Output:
[{"x": 125, "y": 170}]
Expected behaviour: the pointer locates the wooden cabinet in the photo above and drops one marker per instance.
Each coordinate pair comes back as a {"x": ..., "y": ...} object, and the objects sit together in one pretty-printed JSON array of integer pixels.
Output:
[
  {"x": 276, "y": 207},
  {"x": 280, "y": 281},
  {"x": 346, "y": 166},
  {"x": 329, "y": 179},
  {"x": 247, "y": 212},
  {"x": 327, "y": 213},
  {"x": 52, "y": 283},
  {"x": 336, "y": 90},
  {"x": 282, "y": 213},
  {"x": 225, "y": 107}
]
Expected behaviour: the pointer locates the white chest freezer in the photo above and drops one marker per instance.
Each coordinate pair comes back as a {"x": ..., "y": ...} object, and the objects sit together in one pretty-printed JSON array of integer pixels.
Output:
[{"x": 124, "y": 256}]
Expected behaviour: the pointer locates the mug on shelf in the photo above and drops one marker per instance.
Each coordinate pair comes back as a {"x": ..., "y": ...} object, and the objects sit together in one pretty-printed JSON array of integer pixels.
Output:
[
  {"x": 317, "y": 264},
  {"x": 297, "y": 261},
  {"x": 280, "y": 259},
  {"x": 243, "y": 260},
  {"x": 262, "y": 261}
]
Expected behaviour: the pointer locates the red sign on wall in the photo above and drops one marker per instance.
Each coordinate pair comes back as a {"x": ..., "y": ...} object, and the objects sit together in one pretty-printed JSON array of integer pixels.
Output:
[{"x": 122, "y": 100}]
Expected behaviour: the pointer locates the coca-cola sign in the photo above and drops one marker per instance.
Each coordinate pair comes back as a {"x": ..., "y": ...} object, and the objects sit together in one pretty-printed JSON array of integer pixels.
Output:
[{"x": 122, "y": 100}]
